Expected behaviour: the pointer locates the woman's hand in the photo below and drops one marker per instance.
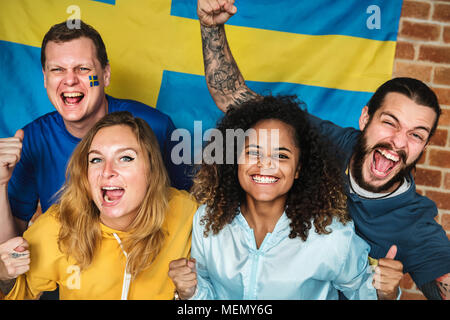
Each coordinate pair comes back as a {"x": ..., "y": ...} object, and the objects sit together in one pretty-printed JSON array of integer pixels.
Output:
[
  {"x": 14, "y": 258},
  {"x": 184, "y": 276}
]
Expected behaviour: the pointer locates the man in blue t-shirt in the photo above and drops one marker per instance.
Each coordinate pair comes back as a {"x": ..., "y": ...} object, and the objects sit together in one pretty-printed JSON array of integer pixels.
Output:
[
  {"x": 76, "y": 72},
  {"x": 396, "y": 126}
]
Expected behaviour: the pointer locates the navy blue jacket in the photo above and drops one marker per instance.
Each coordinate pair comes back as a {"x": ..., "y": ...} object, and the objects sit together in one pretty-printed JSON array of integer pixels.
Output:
[{"x": 406, "y": 220}]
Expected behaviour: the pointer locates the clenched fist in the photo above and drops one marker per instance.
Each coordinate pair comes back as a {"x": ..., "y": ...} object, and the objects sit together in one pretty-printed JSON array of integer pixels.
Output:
[
  {"x": 14, "y": 258},
  {"x": 10, "y": 150},
  {"x": 215, "y": 12},
  {"x": 184, "y": 275}
]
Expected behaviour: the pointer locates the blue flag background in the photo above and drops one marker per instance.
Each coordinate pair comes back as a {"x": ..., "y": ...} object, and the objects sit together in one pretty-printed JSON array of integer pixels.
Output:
[{"x": 331, "y": 53}]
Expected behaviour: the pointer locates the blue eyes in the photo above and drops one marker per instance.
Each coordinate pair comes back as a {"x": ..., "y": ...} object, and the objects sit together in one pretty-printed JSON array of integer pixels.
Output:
[
  {"x": 95, "y": 160},
  {"x": 126, "y": 159},
  {"x": 122, "y": 159}
]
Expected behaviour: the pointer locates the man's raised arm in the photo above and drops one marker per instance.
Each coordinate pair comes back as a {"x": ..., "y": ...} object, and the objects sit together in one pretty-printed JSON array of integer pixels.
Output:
[
  {"x": 225, "y": 82},
  {"x": 10, "y": 149}
]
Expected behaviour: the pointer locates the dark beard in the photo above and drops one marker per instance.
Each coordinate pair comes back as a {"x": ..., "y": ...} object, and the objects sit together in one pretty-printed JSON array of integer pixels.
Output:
[{"x": 359, "y": 153}]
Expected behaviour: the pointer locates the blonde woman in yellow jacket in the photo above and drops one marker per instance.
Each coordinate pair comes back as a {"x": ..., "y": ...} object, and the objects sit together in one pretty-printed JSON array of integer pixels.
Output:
[{"x": 117, "y": 225}]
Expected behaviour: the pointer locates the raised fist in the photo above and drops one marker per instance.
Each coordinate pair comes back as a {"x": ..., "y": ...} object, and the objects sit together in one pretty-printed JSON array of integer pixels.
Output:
[{"x": 214, "y": 12}]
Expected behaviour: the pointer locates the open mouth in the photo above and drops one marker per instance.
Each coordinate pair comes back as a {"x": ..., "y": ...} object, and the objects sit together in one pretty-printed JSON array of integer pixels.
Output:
[
  {"x": 72, "y": 98},
  {"x": 112, "y": 195},
  {"x": 264, "y": 179},
  {"x": 384, "y": 161}
]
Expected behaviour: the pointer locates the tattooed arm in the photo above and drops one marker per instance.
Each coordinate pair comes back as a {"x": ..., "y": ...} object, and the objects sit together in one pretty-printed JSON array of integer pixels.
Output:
[
  {"x": 223, "y": 78},
  {"x": 443, "y": 284},
  {"x": 438, "y": 289}
]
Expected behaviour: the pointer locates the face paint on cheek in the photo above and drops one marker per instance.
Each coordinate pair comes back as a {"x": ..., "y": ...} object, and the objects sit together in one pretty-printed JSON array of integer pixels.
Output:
[{"x": 93, "y": 81}]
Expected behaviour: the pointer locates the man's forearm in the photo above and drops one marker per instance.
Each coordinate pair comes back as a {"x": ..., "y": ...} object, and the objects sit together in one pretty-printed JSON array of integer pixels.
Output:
[
  {"x": 225, "y": 82},
  {"x": 8, "y": 227},
  {"x": 443, "y": 284},
  {"x": 438, "y": 289}
]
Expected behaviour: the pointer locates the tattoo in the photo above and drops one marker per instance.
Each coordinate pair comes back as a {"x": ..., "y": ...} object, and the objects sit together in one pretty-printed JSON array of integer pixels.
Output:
[
  {"x": 438, "y": 289},
  {"x": 16, "y": 255},
  {"x": 431, "y": 291},
  {"x": 224, "y": 80},
  {"x": 443, "y": 284},
  {"x": 222, "y": 73},
  {"x": 7, "y": 285}
]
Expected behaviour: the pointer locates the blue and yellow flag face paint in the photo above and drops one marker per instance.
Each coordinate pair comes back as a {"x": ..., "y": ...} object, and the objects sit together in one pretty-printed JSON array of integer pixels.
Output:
[
  {"x": 333, "y": 54},
  {"x": 93, "y": 81}
]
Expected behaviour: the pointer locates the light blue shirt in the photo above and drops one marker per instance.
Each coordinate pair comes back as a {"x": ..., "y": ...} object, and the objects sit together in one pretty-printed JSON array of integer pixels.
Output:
[{"x": 231, "y": 267}]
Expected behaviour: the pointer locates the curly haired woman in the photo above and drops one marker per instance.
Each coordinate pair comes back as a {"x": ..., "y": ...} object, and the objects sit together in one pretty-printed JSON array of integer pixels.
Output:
[{"x": 274, "y": 223}]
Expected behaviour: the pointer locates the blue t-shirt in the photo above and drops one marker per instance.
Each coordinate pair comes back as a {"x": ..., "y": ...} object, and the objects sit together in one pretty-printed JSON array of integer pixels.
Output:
[
  {"x": 406, "y": 220},
  {"x": 47, "y": 147}
]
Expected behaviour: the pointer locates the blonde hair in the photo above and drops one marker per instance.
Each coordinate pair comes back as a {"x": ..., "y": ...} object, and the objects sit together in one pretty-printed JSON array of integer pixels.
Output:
[{"x": 80, "y": 233}]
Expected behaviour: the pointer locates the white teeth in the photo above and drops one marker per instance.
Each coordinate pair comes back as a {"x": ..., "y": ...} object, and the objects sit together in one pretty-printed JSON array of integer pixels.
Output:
[
  {"x": 111, "y": 188},
  {"x": 264, "y": 179},
  {"x": 389, "y": 156},
  {"x": 72, "y": 94}
]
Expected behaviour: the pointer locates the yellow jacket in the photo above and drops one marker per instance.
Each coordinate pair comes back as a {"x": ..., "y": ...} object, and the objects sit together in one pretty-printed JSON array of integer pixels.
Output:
[{"x": 105, "y": 278}]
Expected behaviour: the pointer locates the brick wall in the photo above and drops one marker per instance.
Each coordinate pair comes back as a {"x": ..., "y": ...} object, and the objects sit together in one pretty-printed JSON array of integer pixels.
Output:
[{"x": 423, "y": 52}]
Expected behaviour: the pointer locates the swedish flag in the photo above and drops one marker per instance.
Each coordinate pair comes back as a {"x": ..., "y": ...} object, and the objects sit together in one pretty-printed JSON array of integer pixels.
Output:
[
  {"x": 93, "y": 81},
  {"x": 331, "y": 53}
]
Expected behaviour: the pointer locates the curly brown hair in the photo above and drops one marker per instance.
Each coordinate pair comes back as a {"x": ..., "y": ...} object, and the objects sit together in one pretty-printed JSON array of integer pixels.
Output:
[{"x": 317, "y": 196}]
